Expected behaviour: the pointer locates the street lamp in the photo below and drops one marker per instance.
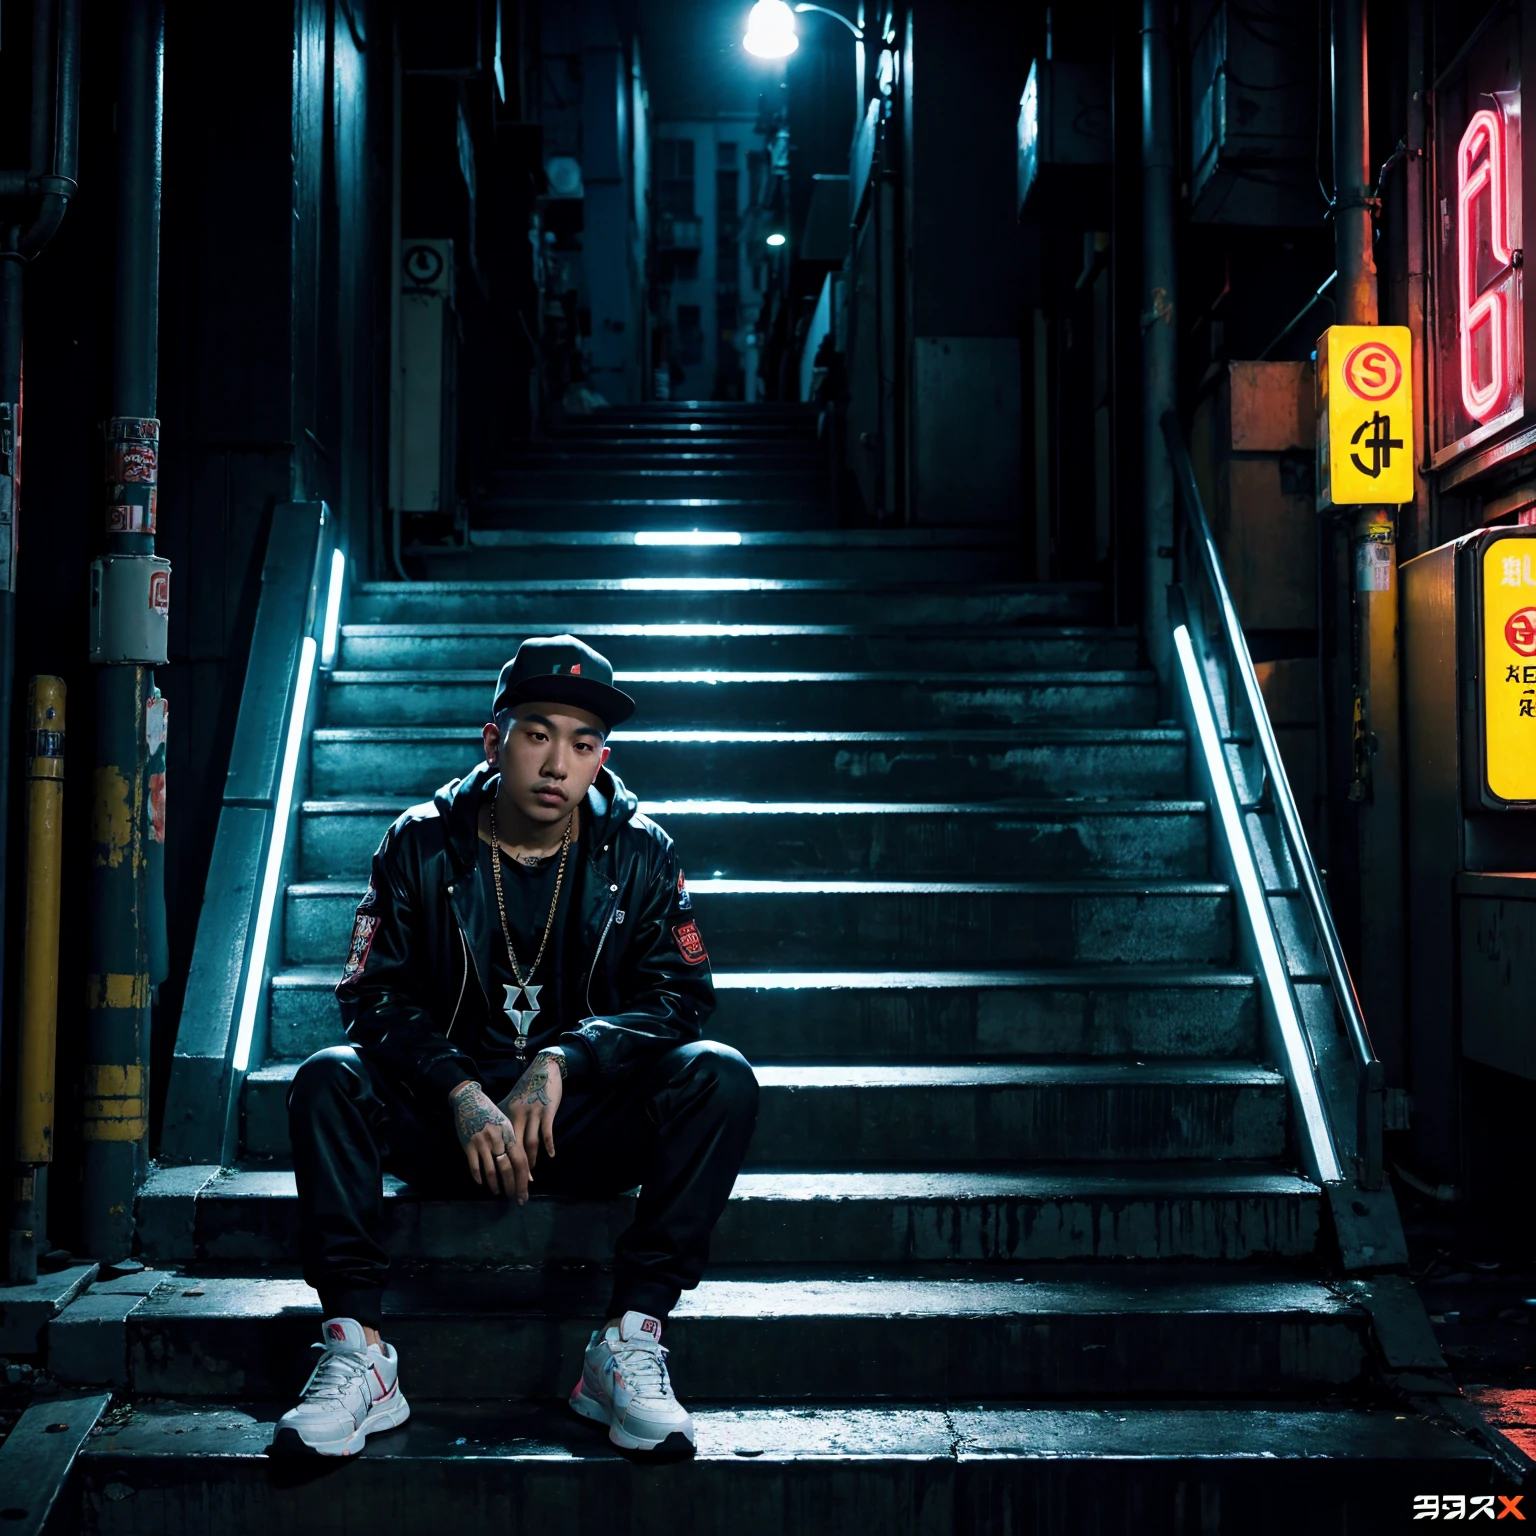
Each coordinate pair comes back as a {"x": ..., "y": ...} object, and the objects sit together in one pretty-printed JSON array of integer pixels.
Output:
[
  {"x": 771, "y": 27},
  {"x": 771, "y": 30}
]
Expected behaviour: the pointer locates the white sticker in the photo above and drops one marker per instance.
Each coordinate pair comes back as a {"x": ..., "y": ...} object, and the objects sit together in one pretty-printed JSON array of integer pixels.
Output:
[
  {"x": 154, "y": 724},
  {"x": 1373, "y": 566}
]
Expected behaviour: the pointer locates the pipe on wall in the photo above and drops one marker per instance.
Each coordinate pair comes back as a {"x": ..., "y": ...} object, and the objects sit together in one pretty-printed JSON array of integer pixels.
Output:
[
  {"x": 1353, "y": 194},
  {"x": 1159, "y": 337},
  {"x": 35, "y": 200},
  {"x": 122, "y": 876},
  {"x": 1367, "y": 666},
  {"x": 55, "y": 153}
]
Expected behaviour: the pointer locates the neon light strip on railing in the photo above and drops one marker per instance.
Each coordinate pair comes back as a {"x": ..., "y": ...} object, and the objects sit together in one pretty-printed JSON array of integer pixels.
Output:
[
  {"x": 1298, "y": 1058},
  {"x": 332, "y": 609},
  {"x": 256, "y": 967},
  {"x": 692, "y": 536}
]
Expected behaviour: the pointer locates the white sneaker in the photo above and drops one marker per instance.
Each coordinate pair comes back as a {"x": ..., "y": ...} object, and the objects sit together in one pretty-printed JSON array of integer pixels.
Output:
[
  {"x": 624, "y": 1385},
  {"x": 353, "y": 1392}
]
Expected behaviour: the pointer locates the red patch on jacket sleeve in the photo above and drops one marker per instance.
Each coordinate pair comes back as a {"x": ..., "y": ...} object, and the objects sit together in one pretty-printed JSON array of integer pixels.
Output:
[{"x": 690, "y": 945}]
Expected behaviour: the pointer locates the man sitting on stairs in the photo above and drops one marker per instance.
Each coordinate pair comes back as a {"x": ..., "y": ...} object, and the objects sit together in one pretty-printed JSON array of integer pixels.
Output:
[{"x": 523, "y": 995}]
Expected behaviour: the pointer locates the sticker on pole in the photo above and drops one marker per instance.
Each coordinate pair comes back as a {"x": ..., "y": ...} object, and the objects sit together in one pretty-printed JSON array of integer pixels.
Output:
[
  {"x": 1509, "y": 667},
  {"x": 1365, "y": 416}
]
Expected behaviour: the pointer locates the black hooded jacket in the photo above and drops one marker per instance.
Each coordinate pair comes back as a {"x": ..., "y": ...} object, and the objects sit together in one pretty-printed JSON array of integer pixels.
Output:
[{"x": 412, "y": 995}]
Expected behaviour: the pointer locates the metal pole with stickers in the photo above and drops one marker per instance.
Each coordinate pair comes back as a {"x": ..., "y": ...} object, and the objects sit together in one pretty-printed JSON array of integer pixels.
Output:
[
  {"x": 130, "y": 608},
  {"x": 1365, "y": 472}
]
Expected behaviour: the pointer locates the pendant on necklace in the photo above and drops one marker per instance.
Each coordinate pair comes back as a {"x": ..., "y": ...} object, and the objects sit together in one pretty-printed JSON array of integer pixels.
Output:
[{"x": 523, "y": 1015}]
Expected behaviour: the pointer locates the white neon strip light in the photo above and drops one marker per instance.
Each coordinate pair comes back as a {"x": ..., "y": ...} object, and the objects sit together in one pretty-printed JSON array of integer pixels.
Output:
[
  {"x": 256, "y": 970},
  {"x": 332, "y": 609},
  {"x": 1298, "y": 1058},
  {"x": 699, "y": 584},
  {"x": 692, "y": 536}
]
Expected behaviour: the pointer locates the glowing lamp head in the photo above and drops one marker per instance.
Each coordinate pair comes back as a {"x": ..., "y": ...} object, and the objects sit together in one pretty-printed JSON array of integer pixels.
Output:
[
  {"x": 775, "y": 239},
  {"x": 771, "y": 30}
]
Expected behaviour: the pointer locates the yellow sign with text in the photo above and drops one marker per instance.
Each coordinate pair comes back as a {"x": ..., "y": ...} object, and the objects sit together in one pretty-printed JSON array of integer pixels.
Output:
[
  {"x": 1365, "y": 416},
  {"x": 1509, "y": 666}
]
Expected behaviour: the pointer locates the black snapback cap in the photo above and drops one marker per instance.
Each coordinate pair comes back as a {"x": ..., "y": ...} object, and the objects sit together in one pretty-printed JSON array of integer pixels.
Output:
[{"x": 560, "y": 669}]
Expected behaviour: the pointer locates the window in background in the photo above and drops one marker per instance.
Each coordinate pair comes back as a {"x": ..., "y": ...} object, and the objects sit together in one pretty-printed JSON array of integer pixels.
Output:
[{"x": 674, "y": 177}]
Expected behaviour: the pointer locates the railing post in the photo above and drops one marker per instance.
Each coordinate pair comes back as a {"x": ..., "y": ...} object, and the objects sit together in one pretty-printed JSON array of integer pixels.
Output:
[{"x": 1368, "y": 1154}]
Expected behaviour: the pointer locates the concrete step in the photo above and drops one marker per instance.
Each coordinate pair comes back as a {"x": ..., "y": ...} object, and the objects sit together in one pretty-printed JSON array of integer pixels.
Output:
[
  {"x": 757, "y": 700},
  {"x": 500, "y": 521},
  {"x": 700, "y": 450},
  {"x": 1058, "y": 1331},
  {"x": 820, "y": 1469},
  {"x": 545, "y": 606},
  {"x": 783, "y": 840},
  {"x": 685, "y": 424},
  {"x": 725, "y": 414},
  {"x": 660, "y": 443},
  {"x": 848, "y": 1117},
  {"x": 906, "y": 554},
  {"x": 599, "y": 478},
  {"x": 749, "y": 647},
  {"x": 834, "y": 765},
  {"x": 917, "y": 924},
  {"x": 680, "y": 429},
  {"x": 1178, "y": 1211},
  {"x": 1110, "y": 1010},
  {"x": 745, "y": 411}
]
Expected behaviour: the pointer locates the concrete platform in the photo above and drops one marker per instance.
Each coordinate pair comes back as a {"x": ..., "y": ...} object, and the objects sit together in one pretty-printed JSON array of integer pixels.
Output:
[
  {"x": 910, "y": 1470},
  {"x": 1073, "y": 1212},
  {"x": 796, "y": 700},
  {"x": 805, "y": 924},
  {"x": 855, "y": 1116},
  {"x": 889, "y": 840},
  {"x": 747, "y": 646},
  {"x": 680, "y": 598},
  {"x": 1035, "y": 762},
  {"x": 1112, "y": 1331},
  {"x": 26, "y": 1310},
  {"x": 1114, "y": 1010}
]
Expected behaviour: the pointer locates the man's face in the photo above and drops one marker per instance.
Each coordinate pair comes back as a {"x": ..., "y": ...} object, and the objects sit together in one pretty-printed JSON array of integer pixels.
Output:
[{"x": 548, "y": 756}]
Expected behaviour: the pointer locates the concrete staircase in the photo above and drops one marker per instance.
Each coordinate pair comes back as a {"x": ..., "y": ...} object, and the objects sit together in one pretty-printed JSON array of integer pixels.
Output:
[{"x": 1021, "y": 1244}]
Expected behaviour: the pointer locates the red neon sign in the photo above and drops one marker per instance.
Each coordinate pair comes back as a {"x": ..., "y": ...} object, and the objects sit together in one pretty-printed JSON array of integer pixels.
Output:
[{"x": 1483, "y": 170}]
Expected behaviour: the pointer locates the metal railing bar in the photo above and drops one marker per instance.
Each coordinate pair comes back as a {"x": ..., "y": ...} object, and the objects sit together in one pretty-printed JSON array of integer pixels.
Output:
[{"x": 1280, "y": 786}]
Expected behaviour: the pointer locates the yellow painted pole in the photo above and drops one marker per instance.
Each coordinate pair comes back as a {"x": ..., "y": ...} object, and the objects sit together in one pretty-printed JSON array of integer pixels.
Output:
[{"x": 40, "y": 964}]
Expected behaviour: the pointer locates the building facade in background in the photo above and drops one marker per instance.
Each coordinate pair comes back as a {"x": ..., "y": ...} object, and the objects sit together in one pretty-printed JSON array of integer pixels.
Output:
[{"x": 704, "y": 288}]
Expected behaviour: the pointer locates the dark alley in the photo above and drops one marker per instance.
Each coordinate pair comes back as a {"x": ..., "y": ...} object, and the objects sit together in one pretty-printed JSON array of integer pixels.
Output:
[{"x": 766, "y": 767}]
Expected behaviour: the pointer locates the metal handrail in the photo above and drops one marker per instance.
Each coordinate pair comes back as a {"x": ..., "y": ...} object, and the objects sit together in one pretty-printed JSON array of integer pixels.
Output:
[{"x": 1372, "y": 1074}]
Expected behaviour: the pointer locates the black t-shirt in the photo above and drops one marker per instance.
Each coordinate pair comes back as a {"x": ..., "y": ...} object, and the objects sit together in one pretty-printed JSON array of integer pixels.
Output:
[{"x": 552, "y": 989}]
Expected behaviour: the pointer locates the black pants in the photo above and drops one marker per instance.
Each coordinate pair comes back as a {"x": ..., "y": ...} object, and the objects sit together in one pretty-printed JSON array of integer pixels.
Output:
[{"x": 678, "y": 1128}]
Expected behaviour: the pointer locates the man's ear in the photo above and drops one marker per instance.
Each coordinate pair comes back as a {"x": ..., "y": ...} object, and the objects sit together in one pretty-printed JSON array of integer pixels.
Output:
[
  {"x": 490, "y": 736},
  {"x": 604, "y": 758}
]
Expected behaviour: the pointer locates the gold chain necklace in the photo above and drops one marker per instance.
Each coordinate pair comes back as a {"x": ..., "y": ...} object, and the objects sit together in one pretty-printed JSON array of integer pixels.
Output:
[{"x": 501, "y": 905}]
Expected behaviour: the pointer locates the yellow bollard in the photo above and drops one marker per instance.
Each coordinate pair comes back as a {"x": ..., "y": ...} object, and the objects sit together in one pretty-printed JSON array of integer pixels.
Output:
[{"x": 40, "y": 963}]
